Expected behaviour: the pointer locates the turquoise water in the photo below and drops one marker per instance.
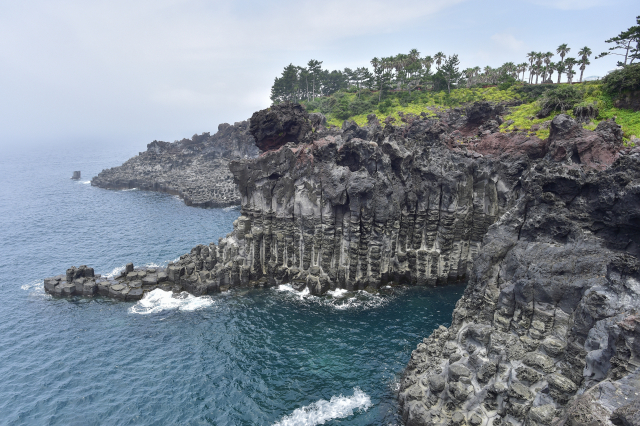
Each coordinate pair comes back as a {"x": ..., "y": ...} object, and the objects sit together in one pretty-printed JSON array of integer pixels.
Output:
[{"x": 258, "y": 357}]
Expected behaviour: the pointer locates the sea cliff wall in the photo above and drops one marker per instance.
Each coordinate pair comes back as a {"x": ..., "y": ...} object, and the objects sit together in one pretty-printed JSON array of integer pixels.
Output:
[
  {"x": 545, "y": 232},
  {"x": 196, "y": 169}
]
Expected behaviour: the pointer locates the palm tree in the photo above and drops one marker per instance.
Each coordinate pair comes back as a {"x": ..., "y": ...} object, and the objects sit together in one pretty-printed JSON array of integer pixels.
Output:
[
  {"x": 522, "y": 68},
  {"x": 560, "y": 67},
  {"x": 439, "y": 57},
  {"x": 562, "y": 50},
  {"x": 570, "y": 63},
  {"x": 585, "y": 52},
  {"x": 551, "y": 68},
  {"x": 539, "y": 57},
  {"x": 532, "y": 57}
]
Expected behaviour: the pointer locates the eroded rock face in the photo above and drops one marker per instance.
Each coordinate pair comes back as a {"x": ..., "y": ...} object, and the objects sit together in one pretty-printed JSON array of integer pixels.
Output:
[
  {"x": 548, "y": 245},
  {"x": 568, "y": 141},
  {"x": 279, "y": 124},
  {"x": 195, "y": 169},
  {"x": 551, "y": 309}
]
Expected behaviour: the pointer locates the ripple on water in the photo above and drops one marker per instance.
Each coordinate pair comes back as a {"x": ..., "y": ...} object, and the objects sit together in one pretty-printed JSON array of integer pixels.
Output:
[{"x": 244, "y": 357}]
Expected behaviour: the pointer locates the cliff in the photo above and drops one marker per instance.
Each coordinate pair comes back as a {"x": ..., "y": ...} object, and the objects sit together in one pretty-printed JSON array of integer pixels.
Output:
[
  {"x": 195, "y": 169},
  {"x": 545, "y": 232}
]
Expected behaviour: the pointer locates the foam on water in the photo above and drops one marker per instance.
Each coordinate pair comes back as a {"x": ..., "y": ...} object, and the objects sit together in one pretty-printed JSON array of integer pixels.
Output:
[
  {"x": 287, "y": 288},
  {"x": 159, "y": 300},
  {"x": 338, "y": 293},
  {"x": 338, "y": 298},
  {"x": 115, "y": 272},
  {"x": 319, "y": 412},
  {"x": 85, "y": 182}
]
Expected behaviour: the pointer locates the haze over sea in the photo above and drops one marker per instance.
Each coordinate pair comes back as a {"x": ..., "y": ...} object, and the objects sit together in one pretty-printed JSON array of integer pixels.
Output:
[{"x": 246, "y": 357}]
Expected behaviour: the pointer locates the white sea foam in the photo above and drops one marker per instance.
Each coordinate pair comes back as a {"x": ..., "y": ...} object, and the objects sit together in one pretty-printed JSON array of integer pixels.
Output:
[
  {"x": 32, "y": 285},
  {"x": 130, "y": 189},
  {"x": 34, "y": 288},
  {"x": 338, "y": 293},
  {"x": 115, "y": 272},
  {"x": 361, "y": 300},
  {"x": 229, "y": 208},
  {"x": 319, "y": 412},
  {"x": 338, "y": 298},
  {"x": 288, "y": 289},
  {"x": 86, "y": 182},
  {"x": 159, "y": 300}
]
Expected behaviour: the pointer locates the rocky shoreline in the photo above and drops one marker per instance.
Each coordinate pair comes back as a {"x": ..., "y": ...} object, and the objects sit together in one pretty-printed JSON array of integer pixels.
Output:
[
  {"x": 545, "y": 232},
  {"x": 196, "y": 169}
]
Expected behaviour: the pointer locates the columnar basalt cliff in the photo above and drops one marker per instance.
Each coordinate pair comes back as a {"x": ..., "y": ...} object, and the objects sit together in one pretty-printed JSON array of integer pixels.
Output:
[
  {"x": 195, "y": 169},
  {"x": 545, "y": 232}
]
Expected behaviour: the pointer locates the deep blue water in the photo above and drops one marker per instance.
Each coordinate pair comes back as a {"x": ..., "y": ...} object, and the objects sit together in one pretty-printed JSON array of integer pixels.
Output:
[{"x": 242, "y": 358}]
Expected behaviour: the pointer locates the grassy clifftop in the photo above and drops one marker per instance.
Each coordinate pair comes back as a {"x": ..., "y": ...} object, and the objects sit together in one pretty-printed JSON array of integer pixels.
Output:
[{"x": 356, "y": 105}]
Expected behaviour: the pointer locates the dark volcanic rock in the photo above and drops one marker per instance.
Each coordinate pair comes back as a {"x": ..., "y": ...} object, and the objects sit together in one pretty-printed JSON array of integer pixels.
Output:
[
  {"x": 279, "y": 124},
  {"x": 568, "y": 141},
  {"x": 195, "y": 169},
  {"x": 545, "y": 235}
]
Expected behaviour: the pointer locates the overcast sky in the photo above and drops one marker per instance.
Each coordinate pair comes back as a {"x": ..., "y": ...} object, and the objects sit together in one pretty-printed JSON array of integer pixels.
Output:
[{"x": 128, "y": 72}]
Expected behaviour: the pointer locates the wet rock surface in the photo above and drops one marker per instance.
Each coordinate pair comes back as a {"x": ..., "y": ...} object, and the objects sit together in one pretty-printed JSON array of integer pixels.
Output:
[
  {"x": 548, "y": 245},
  {"x": 196, "y": 169}
]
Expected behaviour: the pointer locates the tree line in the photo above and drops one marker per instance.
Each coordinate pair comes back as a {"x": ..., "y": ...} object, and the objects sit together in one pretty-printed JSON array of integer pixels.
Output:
[{"x": 411, "y": 71}]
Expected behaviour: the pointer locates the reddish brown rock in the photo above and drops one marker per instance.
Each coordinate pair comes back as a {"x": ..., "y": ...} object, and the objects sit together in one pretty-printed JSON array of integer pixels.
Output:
[
  {"x": 568, "y": 141},
  {"x": 512, "y": 144}
]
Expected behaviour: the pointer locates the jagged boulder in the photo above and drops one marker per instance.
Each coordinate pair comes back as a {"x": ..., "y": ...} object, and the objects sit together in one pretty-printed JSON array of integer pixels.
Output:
[
  {"x": 481, "y": 112},
  {"x": 279, "y": 124},
  {"x": 569, "y": 142}
]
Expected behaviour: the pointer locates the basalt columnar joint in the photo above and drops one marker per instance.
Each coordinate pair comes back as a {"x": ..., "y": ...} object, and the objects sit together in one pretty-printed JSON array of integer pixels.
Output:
[
  {"x": 195, "y": 169},
  {"x": 545, "y": 232}
]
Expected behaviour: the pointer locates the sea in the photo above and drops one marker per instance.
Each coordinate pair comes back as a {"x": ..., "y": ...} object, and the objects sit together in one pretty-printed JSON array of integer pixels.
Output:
[{"x": 244, "y": 357}]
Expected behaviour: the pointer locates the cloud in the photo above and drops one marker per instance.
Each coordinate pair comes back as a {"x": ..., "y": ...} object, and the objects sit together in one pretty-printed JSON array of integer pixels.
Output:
[
  {"x": 508, "y": 41},
  {"x": 72, "y": 61},
  {"x": 571, "y": 4}
]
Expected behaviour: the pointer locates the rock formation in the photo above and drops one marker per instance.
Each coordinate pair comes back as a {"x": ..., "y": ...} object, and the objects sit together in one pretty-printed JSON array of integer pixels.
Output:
[
  {"x": 195, "y": 169},
  {"x": 545, "y": 233},
  {"x": 76, "y": 175}
]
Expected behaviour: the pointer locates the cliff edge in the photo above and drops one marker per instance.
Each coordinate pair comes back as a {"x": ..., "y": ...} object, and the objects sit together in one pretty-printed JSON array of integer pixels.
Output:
[
  {"x": 196, "y": 169},
  {"x": 545, "y": 232}
]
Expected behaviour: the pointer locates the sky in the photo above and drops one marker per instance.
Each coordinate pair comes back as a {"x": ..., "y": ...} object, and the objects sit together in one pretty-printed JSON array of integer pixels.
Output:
[{"x": 129, "y": 72}]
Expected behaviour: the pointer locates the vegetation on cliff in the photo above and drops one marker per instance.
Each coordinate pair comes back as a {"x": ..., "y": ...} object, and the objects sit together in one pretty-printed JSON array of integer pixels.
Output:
[{"x": 398, "y": 87}]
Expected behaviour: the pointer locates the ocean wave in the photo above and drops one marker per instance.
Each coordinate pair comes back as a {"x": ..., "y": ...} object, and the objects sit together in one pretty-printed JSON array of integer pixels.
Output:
[
  {"x": 85, "y": 182},
  {"x": 115, "y": 272},
  {"x": 287, "y": 288},
  {"x": 339, "y": 298},
  {"x": 159, "y": 300},
  {"x": 130, "y": 189},
  {"x": 319, "y": 412},
  {"x": 35, "y": 287}
]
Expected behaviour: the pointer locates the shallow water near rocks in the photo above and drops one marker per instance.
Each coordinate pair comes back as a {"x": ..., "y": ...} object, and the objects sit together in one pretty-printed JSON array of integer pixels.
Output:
[{"x": 246, "y": 357}]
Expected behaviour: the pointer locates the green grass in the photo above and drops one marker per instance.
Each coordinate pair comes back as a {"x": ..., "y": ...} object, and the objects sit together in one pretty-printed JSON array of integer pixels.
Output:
[{"x": 342, "y": 105}]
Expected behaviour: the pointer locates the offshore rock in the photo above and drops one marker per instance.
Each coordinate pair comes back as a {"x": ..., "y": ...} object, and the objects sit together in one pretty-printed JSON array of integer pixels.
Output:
[
  {"x": 548, "y": 245},
  {"x": 195, "y": 169}
]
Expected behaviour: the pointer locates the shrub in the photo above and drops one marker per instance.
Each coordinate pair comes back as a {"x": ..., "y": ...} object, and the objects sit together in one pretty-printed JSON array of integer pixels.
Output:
[
  {"x": 561, "y": 98},
  {"x": 622, "y": 80},
  {"x": 531, "y": 92}
]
